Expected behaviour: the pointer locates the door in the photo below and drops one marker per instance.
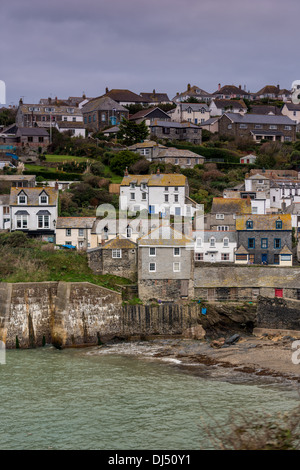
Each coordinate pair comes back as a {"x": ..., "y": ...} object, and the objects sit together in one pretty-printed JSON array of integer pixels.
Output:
[
  {"x": 184, "y": 288},
  {"x": 278, "y": 292},
  {"x": 212, "y": 258},
  {"x": 264, "y": 258}
]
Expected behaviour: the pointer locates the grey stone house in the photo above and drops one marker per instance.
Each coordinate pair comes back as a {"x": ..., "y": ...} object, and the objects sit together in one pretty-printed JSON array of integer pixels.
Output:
[
  {"x": 223, "y": 213},
  {"x": 258, "y": 127},
  {"x": 182, "y": 131},
  {"x": 165, "y": 265},
  {"x": 102, "y": 112},
  {"x": 264, "y": 239},
  {"x": 118, "y": 257}
]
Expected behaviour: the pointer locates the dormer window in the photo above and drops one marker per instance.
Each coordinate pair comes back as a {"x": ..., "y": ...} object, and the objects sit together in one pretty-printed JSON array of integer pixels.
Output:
[
  {"x": 22, "y": 198},
  {"x": 279, "y": 224},
  {"x": 43, "y": 198},
  {"x": 212, "y": 242},
  {"x": 249, "y": 224}
]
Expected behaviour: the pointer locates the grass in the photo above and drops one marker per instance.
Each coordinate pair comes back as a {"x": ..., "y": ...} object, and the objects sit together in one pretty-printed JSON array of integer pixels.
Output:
[
  {"x": 65, "y": 158},
  {"x": 29, "y": 260}
]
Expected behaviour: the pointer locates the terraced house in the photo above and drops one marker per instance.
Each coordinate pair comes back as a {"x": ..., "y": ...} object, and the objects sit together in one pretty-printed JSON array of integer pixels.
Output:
[
  {"x": 39, "y": 115},
  {"x": 259, "y": 127},
  {"x": 264, "y": 239}
]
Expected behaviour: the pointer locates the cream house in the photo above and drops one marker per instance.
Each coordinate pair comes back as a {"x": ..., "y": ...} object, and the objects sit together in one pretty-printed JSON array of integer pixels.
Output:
[
  {"x": 76, "y": 231},
  {"x": 196, "y": 113}
]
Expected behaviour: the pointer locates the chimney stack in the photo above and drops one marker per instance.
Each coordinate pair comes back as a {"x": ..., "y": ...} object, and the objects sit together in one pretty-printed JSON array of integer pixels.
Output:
[
  {"x": 189, "y": 87},
  {"x": 126, "y": 172},
  {"x": 106, "y": 90},
  {"x": 56, "y": 185},
  {"x": 158, "y": 171},
  {"x": 219, "y": 86},
  {"x": 154, "y": 92}
]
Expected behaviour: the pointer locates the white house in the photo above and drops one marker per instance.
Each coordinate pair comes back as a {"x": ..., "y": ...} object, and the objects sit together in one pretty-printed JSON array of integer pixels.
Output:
[
  {"x": 215, "y": 246},
  {"x": 159, "y": 193},
  {"x": 4, "y": 212},
  {"x": 34, "y": 211},
  {"x": 218, "y": 107},
  {"x": 196, "y": 113},
  {"x": 76, "y": 128}
]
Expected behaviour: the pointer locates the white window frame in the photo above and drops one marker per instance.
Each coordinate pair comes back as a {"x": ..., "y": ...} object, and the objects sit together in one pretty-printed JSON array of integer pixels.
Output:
[
  {"x": 81, "y": 232},
  {"x": 116, "y": 253},
  {"x": 41, "y": 221},
  {"x": 44, "y": 196},
  {"x": 152, "y": 248},
  {"x": 25, "y": 199},
  {"x": 23, "y": 221},
  {"x": 174, "y": 251},
  {"x": 225, "y": 242},
  {"x": 219, "y": 216},
  {"x": 68, "y": 232},
  {"x": 174, "y": 265}
]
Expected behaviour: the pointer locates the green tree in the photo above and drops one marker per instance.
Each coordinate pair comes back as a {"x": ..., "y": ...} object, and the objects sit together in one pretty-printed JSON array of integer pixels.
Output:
[
  {"x": 131, "y": 133},
  {"x": 123, "y": 160}
]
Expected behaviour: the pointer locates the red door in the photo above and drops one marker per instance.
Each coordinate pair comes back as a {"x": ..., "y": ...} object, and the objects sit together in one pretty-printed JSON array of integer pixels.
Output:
[{"x": 278, "y": 292}]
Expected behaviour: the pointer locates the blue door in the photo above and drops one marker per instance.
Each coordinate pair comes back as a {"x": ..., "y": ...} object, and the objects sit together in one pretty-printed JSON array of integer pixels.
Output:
[
  {"x": 151, "y": 209},
  {"x": 264, "y": 258}
]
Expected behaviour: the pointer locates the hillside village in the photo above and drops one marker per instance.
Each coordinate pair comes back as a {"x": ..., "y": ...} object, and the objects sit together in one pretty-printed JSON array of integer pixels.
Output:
[{"x": 195, "y": 197}]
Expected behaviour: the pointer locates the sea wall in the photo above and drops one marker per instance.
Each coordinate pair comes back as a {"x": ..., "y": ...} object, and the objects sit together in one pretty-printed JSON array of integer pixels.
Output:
[
  {"x": 278, "y": 313},
  {"x": 72, "y": 314}
]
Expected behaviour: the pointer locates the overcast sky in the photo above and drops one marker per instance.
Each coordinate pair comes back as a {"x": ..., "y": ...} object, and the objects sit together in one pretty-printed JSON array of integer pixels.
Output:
[{"x": 66, "y": 47}]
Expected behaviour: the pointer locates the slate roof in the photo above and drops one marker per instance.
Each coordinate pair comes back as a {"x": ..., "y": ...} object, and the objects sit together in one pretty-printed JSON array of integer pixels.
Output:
[
  {"x": 17, "y": 178},
  {"x": 75, "y": 222},
  {"x": 265, "y": 109},
  {"x": 178, "y": 125},
  {"x": 268, "y": 90},
  {"x": 58, "y": 109},
  {"x": 194, "y": 106},
  {"x": 165, "y": 236},
  {"x": 125, "y": 96},
  {"x": 33, "y": 196},
  {"x": 173, "y": 152},
  {"x": 264, "y": 222},
  {"x": 4, "y": 199},
  {"x": 25, "y": 131},
  {"x": 292, "y": 106},
  {"x": 119, "y": 242},
  {"x": 217, "y": 234},
  {"x": 235, "y": 104},
  {"x": 146, "y": 112},
  {"x": 170, "y": 179},
  {"x": 155, "y": 97},
  {"x": 230, "y": 90},
  {"x": 146, "y": 144},
  {"x": 259, "y": 119},
  {"x": 104, "y": 103},
  {"x": 230, "y": 206}
]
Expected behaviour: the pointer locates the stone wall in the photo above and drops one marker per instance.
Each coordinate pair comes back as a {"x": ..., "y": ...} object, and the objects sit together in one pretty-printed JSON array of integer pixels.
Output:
[
  {"x": 278, "y": 313},
  {"x": 70, "y": 314},
  {"x": 220, "y": 282}
]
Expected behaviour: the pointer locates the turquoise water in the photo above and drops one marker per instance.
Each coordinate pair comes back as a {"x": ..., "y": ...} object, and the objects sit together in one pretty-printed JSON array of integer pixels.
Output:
[{"x": 83, "y": 399}]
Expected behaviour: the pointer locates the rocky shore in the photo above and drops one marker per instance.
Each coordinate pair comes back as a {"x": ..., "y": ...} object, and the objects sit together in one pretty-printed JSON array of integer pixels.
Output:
[{"x": 264, "y": 356}]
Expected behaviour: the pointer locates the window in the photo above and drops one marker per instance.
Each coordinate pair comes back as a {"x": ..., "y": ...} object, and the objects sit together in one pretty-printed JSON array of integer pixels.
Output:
[
  {"x": 177, "y": 210},
  {"x": 175, "y": 197},
  {"x": 22, "y": 221},
  {"x": 254, "y": 210},
  {"x": 80, "y": 232},
  {"x": 226, "y": 242},
  {"x": 251, "y": 242},
  {"x": 212, "y": 242},
  {"x": 22, "y": 199},
  {"x": 144, "y": 196},
  {"x": 277, "y": 243},
  {"x": 103, "y": 117},
  {"x": 176, "y": 161},
  {"x": 243, "y": 126},
  {"x": 132, "y": 185},
  {"x": 132, "y": 196},
  {"x": 223, "y": 228},
  {"x": 264, "y": 243},
  {"x": 272, "y": 126},
  {"x": 287, "y": 139},
  {"x": 225, "y": 256},
  {"x": 229, "y": 126},
  {"x": 176, "y": 267},
  {"x": 43, "y": 221},
  {"x": 198, "y": 256},
  {"x": 279, "y": 224},
  {"x": 219, "y": 216},
  {"x": 176, "y": 251},
  {"x": 117, "y": 253},
  {"x": 152, "y": 267},
  {"x": 199, "y": 242},
  {"x": 43, "y": 199},
  {"x": 143, "y": 186},
  {"x": 176, "y": 189},
  {"x": 251, "y": 258},
  {"x": 241, "y": 257},
  {"x": 287, "y": 128},
  {"x": 152, "y": 251},
  {"x": 41, "y": 140},
  {"x": 188, "y": 161},
  {"x": 166, "y": 198},
  {"x": 276, "y": 258},
  {"x": 65, "y": 118},
  {"x": 68, "y": 232},
  {"x": 249, "y": 224},
  {"x": 285, "y": 257},
  {"x": 258, "y": 126}
]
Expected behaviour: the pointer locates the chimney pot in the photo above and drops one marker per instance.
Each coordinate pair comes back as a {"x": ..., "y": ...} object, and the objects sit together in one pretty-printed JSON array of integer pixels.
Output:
[{"x": 106, "y": 90}]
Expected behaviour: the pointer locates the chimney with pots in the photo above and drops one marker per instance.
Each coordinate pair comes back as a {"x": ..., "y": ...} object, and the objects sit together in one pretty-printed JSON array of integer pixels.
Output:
[
  {"x": 106, "y": 90},
  {"x": 126, "y": 172},
  {"x": 219, "y": 86}
]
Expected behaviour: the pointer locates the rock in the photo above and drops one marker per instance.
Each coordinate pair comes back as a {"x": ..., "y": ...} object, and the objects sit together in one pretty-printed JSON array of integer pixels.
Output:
[
  {"x": 217, "y": 343},
  {"x": 195, "y": 332},
  {"x": 233, "y": 339}
]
